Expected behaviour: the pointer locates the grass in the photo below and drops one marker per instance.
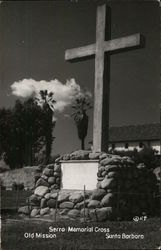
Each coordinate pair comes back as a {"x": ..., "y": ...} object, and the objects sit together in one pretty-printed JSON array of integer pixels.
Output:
[
  {"x": 13, "y": 235},
  {"x": 24, "y": 175},
  {"x": 13, "y": 230}
]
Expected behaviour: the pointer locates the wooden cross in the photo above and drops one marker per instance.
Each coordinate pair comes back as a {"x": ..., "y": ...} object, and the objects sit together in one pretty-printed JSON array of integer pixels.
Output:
[{"x": 101, "y": 102}]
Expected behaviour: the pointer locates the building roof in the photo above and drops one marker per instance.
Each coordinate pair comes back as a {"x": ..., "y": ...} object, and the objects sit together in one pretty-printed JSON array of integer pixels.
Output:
[{"x": 143, "y": 132}]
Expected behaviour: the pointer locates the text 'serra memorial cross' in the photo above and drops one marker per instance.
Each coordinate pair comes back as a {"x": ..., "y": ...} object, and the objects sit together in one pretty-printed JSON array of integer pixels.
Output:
[{"x": 101, "y": 97}]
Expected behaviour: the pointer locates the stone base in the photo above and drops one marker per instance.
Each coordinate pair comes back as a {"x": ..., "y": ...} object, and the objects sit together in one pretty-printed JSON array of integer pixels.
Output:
[{"x": 123, "y": 191}]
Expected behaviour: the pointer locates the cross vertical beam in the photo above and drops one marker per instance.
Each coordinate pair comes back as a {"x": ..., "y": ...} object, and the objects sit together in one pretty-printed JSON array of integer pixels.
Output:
[
  {"x": 102, "y": 74},
  {"x": 99, "y": 78}
]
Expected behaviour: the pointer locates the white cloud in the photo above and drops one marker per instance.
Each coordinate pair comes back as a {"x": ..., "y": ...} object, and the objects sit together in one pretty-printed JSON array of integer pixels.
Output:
[{"x": 64, "y": 94}]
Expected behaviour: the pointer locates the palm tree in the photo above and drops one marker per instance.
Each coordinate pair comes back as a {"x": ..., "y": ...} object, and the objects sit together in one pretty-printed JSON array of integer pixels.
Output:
[
  {"x": 81, "y": 106},
  {"x": 47, "y": 102}
]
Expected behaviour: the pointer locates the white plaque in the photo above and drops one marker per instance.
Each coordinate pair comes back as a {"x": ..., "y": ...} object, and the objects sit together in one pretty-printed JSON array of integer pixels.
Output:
[{"x": 76, "y": 174}]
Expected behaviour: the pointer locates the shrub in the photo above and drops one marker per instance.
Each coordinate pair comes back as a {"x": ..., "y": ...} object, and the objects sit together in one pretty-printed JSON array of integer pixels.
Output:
[
  {"x": 17, "y": 186},
  {"x": 2, "y": 185},
  {"x": 146, "y": 156}
]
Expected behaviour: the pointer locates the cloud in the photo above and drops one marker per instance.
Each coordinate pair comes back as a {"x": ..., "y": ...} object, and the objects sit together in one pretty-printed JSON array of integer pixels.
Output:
[{"x": 64, "y": 94}]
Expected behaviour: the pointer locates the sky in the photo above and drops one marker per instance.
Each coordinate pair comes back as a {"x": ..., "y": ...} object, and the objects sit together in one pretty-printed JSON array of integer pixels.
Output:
[{"x": 34, "y": 36}]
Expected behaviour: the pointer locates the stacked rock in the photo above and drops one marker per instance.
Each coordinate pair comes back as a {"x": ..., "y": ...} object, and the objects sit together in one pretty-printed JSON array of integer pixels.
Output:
[
  {"x": 67, "y": 205},
  {"x": 38, "y": 172},
  {"x": 50, "y": 177},
  {"x": 123, "y": 191},
  {"x": 60, "y": 204},
  {"x": 129, "y": 189}
]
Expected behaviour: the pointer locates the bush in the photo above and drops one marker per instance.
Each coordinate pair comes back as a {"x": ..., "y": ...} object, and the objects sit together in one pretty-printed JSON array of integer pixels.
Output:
[
  {"x": 146, "y": 156},
  {"x": 2, "y": 185},
  {"x": 17, "y": 186}
]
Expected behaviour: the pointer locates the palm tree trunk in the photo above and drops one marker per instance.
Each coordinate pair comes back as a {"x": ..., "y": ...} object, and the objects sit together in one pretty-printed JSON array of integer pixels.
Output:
[{"x": 82, "y": 144}]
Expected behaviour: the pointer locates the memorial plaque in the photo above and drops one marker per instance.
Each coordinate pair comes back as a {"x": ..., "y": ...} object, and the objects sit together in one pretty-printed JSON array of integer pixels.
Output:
[{"x": 76, "y": 174}]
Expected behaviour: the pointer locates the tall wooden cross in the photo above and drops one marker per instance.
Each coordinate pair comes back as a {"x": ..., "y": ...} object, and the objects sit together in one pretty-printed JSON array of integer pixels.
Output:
[{"x": 101, "y": 97}]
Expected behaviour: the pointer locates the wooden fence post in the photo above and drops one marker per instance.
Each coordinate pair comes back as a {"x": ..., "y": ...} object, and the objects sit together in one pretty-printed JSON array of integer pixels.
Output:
[
  {"x": 17, "y": 198},
  {"x": 84, "y": 205},
  {"x": 118, "y": 197},
  {"x": 56, "y": 207}
]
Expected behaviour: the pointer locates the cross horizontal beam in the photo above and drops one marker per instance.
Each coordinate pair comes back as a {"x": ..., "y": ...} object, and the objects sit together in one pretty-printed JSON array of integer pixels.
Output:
[
  {"x": 112, "y": 45},
  {"x": 123, "y": 42},
  {"x": 80, "y": 52},
  {"x": 102, "y": 72}
]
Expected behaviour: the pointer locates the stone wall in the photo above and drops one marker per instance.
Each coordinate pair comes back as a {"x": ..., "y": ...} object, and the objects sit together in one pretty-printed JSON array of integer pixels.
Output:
[{"x": 123, "y": 191}]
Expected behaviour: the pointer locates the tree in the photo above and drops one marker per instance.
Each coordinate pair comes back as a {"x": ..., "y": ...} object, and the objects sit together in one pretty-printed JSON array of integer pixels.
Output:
[
  {"x": 10, "y": 135},
  {"x": 21, "y": 133},
  {"x": 32, "y": 122},
  {"x": 5, "y": 130},
  {"x": 26, "y": 129},
  {"x": 81, "y": 106},
  {"x": 46, "y": 100}
]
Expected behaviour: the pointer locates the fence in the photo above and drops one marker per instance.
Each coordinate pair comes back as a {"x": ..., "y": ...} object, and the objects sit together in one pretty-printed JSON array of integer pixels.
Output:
[{"x": 11, "y": 200}]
